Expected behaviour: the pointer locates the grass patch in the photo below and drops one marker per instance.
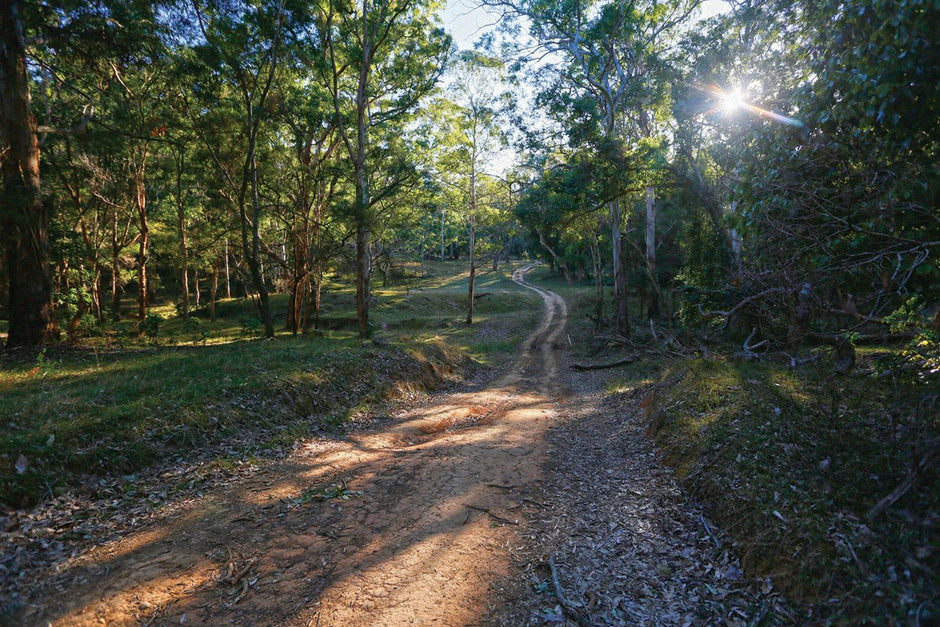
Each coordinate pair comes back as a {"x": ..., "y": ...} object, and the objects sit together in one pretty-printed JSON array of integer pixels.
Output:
[
  {"x": 789, "y": 462},
  {"x": 121, "y": 402}
]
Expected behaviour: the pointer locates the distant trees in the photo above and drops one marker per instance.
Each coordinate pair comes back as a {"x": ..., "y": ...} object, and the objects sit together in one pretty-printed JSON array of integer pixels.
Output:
[
  {"x": 247, "y": 147},
  {"x": 803, "y": 205},
  {"x": 607, "y": 85}
]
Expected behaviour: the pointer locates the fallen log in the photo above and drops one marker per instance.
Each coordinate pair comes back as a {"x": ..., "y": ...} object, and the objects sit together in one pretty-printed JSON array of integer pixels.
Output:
[{"x": 620, "y": 362}]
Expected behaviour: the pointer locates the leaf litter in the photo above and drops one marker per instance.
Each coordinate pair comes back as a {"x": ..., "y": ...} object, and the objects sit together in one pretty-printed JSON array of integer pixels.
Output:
[{"x": 623, "y": 544}]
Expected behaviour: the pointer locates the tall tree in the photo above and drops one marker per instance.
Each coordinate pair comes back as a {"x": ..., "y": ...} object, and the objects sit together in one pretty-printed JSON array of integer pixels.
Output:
[
  {"x": 385, "y": 55},
  {"x": 243, "y": 49},
  {"x": 469, "y": 136},
  {"x": 24, "y": 214}
]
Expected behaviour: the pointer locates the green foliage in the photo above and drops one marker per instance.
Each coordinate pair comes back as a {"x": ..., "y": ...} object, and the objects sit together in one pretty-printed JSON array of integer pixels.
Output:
[
  {"x": 251, "y": 327},
  {"x": 72, "y": 413},
  {"x": 151, "y": 326}
]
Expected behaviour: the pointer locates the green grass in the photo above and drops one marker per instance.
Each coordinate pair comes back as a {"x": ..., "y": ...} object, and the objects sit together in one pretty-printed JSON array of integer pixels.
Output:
[
  {"x": 789, "y": 462},
  {"x": 120, "y": 403}
]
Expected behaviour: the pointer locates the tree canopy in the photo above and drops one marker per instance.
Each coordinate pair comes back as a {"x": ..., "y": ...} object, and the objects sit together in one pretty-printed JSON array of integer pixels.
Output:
[{"x": 771, "y": 168}]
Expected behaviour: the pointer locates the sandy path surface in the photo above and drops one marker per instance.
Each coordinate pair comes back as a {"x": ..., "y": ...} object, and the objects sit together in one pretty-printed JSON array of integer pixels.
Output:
[{"x": 411, "y": 524}]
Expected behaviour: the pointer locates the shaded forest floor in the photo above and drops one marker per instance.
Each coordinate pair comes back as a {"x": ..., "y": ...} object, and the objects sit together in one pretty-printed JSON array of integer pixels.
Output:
[{"x": 530, "y": 494}]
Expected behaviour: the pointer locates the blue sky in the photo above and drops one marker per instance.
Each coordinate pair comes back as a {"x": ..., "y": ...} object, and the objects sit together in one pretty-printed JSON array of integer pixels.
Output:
[{"x": 465, "y": 20}]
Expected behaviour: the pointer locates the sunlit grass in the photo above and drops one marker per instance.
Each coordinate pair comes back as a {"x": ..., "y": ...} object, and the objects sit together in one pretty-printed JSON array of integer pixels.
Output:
[{"x": 122, "y": 400}]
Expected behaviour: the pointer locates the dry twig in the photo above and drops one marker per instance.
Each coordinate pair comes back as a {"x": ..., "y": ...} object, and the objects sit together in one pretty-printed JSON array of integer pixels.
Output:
[
  {"x": 486, "y": 511},
  {"x": 579, "y": 617}
]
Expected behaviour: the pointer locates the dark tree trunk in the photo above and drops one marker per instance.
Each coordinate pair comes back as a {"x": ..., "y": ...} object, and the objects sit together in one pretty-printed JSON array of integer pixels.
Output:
[
  {"x": 621, "y": 320},
  {"x": 24, "y": 218},
  {"x": 215, "y": 291},
  {"x": 143, "y": 224},
  {"x": 363, "y": 272},
  {"x": 184, "y": 242}
]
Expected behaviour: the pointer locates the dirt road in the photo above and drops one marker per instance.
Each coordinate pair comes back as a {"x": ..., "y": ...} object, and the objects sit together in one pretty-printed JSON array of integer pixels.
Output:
[{"x": 448, "y": 516}]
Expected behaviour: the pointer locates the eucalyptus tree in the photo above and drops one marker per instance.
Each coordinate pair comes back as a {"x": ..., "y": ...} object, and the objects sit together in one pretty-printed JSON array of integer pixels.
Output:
[
  {"x": 384, "y": 56},
  {"x": 73, "y": 47},
  {"x": 468, "y": 140},
  {"x": 24, "y": 214},
  {"x": 309, "y": 186}
]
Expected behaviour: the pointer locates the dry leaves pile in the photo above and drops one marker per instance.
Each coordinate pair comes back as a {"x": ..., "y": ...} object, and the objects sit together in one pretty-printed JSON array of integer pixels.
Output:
[{"x": 628, "y": 547}]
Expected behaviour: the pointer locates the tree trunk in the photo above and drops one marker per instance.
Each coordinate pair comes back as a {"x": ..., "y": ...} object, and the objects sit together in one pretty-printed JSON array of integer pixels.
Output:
[
  {"x": 362, "y": 212},
  {"x": 228, "y": 276},
  {"x": 254, "y": 264},
  {"x": 598, "y": 282},
  {"x": 556, "y": 259},
  {"x": 473, "y": 241},
  {"x": 184, "y": 243},
  {"x": 24, "y": 218},
  {"x": 621, "y": 321},
  {"x": 652, "y": 296},
  {"x": 215, "y": 291},
  {"x": 363, "y": 271},
  {"x": 143, "y": 242},
  {"x": 115, "y": 271}
]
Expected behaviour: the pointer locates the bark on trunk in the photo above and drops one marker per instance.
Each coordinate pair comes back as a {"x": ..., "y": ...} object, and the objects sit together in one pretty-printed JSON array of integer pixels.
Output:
[
  {"x": 115, "y": 271},
  {"x": 215, "y": 291},
  {"x": 621, "y": 321},
  {"x": 598, "y": 282},
  {"x": 143, "y": 225},
  {"x": 473, "y": 240},
  {"x": 363, "y": 271},
  {"x": 184, "y": 242},
  {"x": 363, "y": 221},
  {"x": 24, "y": 218},
  {"x": 652, "y": 296},
  {"x": 228, "y": 276}
]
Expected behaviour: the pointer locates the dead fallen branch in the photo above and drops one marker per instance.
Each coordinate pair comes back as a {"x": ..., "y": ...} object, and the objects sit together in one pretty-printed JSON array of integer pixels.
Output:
[
  {"x": 929, "y": 458},
  {"x": 708, "y": 530},
  {"x": 486, "y": 511},
  {"x": 620, "y": 362},
  {"x": 570, "y": 609},
  {"x": 750, "y": 299}
]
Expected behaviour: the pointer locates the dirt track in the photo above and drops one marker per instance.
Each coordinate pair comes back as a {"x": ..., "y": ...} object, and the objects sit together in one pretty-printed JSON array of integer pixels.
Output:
[{"x": 406, "y": 525}]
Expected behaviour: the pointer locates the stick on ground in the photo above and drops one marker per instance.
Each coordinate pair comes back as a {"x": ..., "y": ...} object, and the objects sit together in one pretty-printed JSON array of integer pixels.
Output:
[{"x": 576, "y": 614}]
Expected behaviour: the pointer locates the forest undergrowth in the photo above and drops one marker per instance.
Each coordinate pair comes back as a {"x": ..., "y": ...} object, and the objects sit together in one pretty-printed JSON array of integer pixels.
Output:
[{"x": 827, "y": 483}]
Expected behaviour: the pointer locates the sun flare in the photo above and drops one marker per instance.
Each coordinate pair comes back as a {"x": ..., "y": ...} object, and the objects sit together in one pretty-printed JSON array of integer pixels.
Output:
[{"x": 732, "y": 100}]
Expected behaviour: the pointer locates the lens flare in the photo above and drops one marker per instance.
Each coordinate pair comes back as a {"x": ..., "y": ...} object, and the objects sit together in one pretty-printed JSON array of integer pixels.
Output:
[{"x": 732, "y": 101}]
